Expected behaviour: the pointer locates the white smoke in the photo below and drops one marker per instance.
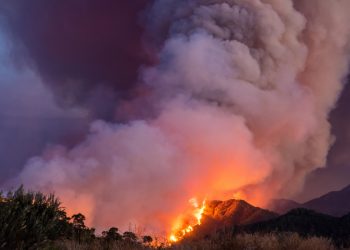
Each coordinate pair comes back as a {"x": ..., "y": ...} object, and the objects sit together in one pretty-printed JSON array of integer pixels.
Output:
[{"x": 244, "y": 88}]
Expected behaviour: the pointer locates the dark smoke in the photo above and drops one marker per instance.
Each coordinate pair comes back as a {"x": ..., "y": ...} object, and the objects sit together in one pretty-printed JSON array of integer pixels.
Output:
[
  {"x": 29, "y": 118},
  {"x": 88, "y": 52}
]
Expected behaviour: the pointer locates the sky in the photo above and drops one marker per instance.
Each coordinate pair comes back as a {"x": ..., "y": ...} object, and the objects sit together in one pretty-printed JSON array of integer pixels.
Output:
[{"x": 64, "y": 65}]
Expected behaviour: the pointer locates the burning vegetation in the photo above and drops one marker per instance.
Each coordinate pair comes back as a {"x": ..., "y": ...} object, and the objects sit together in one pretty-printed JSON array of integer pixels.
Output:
[{"x": 182, "y": 226}]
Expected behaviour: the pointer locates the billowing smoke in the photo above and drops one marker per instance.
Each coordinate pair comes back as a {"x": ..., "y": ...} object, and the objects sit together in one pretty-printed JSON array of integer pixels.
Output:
[
  {"x": 87, "y": 52},
  {"x": 241, "y": 96}
]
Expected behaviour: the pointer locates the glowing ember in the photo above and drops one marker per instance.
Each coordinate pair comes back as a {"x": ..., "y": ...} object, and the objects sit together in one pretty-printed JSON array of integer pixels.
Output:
[{"x": 179, "y": 232}]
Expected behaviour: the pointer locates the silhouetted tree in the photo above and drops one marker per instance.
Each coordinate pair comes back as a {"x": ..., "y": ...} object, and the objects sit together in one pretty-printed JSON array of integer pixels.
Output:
[
  {"x": 79, "y": 227},
  {"x": 130, "y": 236},
  {"x": 147, "y": 239},
  {"x": 78, "y": 221},
  {"x": 112, "y": 234}
]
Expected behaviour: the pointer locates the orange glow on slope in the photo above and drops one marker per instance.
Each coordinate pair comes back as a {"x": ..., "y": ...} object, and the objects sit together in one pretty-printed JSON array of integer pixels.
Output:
[{"x": 183, "y": 227}]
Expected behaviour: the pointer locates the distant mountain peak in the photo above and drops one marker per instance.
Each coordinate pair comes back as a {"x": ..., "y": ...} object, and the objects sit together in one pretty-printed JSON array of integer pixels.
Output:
[{"x": 335, "y": 203}]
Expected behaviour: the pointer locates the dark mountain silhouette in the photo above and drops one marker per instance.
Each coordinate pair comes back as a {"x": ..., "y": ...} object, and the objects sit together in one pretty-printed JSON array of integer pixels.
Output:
[
  {"x": 306, "y": 222},
  {"x": 336, "y": 203}
]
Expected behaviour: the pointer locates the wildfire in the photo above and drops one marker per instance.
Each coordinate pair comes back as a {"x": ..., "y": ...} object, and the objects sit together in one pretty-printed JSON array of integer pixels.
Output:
[{"x": 179, "y": 232}]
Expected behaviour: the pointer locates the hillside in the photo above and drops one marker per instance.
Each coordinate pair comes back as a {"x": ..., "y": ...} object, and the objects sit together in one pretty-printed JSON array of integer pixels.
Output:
[
  {"x": 306, "y": 223},
  {"x": 236, "y": 212},
  {"x": 235, "y": 217},
  {"x": 222, "y": 215}
]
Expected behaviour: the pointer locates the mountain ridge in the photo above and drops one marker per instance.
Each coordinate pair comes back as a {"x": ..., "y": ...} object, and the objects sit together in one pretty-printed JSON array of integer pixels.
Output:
[
  {"x": 306, "y": 223},
  {"x": 335, "y": 203}
]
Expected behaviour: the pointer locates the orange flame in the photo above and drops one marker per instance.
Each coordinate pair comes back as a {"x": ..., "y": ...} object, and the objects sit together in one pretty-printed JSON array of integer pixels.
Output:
[{"x": 181, "y": 228}]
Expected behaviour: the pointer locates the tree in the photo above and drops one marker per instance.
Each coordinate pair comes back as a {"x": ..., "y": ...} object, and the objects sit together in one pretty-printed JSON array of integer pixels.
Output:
[
  {"x": 79, "y": 227},
  {"x": 130, "y": 236},
  {"x": 78, "y": 221},
  {"x": 112, "y": 234},
  {"x": 147, "y": 239}
]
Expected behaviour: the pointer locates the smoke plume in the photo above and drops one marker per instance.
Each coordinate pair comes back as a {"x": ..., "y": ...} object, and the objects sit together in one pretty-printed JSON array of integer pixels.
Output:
[
  {"x": 241, "y": 96},
  {"x": 87, "y": 52}
]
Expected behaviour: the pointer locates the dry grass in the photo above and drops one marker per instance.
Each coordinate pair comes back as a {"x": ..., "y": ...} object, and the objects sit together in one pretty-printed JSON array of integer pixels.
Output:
[
  {"x": 242, "y": 242},
  {"x": 259, "y": 242},
  {"x": 95, "y": 245}
]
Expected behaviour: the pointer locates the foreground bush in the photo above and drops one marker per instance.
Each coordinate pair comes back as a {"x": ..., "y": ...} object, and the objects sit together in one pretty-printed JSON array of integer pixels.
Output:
[{"x": 28, "y": 220}]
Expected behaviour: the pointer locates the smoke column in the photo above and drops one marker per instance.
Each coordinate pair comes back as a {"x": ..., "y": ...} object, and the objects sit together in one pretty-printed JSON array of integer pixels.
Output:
[{"x": 241, "y": 95}]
